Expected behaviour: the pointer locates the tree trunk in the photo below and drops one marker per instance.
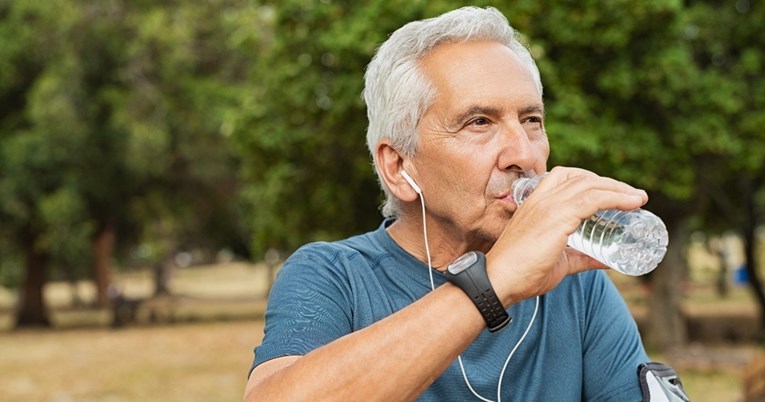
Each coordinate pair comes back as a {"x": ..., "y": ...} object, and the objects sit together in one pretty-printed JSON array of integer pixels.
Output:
[
  {"x": 162, "y": 272},
  {"x": 103, "y": 250},
  {"x": 750, "y": 246},
  {"x": 666, "y": 324},
  {"x": 33, "y": 311},
  {"x": 718, "y": 247},
  {"x": 722, "y": 284}
]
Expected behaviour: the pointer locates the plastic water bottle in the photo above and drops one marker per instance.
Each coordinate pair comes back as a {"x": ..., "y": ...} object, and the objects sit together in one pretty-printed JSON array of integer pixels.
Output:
[{"x": 631, "y": 242}]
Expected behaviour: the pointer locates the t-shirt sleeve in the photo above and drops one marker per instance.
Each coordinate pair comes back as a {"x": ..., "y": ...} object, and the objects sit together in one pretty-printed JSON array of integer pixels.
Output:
[
  {"x": 307, "y": 307},
  {"x": 613, "y": 349}
]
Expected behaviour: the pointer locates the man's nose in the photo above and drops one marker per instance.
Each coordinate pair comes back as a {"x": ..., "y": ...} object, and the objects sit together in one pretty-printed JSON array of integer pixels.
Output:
[{"x": 517, "y": 152}]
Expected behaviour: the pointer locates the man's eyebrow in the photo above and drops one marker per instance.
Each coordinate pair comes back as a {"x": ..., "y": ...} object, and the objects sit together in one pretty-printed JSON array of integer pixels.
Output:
[
  {"x": 478, "y": 110},
  {"x": 533, "y": 109},
  {"x": 473, "y": 111}
]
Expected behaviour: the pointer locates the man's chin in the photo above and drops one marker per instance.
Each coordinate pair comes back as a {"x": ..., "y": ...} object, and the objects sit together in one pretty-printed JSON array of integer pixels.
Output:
[{"x": 493, "y": 227}]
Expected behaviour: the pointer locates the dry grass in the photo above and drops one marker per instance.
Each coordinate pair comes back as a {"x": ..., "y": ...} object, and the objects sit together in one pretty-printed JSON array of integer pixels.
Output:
[
  {"x": 713, "y": 386},
  {"x": 190, "y": 362},
  {"x": 206, "y": 359},
  {"x": 203, "y": 358}
]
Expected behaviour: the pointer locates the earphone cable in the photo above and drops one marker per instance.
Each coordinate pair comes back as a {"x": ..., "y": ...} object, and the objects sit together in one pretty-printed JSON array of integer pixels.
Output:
[{"x": 459, "y": 358}]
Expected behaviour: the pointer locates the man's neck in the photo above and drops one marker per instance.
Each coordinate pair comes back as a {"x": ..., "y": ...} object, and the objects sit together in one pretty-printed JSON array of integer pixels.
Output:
[{"x": 445, "y": 244}]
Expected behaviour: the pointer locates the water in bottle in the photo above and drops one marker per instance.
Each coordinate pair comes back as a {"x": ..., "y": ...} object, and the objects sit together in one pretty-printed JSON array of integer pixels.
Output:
[{"x": 631, "y": 242}]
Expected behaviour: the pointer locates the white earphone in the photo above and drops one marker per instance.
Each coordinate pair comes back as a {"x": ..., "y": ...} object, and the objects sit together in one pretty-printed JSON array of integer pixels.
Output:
[
  {"x": 411, "y": 182},
  {"x": 418, "y": 190}
]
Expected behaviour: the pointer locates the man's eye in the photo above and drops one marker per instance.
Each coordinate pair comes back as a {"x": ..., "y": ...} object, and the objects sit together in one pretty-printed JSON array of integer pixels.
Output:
[
  {"x": 479, "y": 122},
  {"x": 534, "y": 119}
]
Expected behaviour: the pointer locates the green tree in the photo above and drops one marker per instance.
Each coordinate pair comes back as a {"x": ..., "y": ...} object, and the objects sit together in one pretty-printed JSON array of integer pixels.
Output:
[
  {"x": 112, "y": 121},
  {"x": 33, "y": 159},
  {"x": 729, "y": 48}
]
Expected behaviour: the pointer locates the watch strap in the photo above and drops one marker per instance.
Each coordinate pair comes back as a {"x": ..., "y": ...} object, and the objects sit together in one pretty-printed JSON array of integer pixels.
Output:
[{"x": 474, "y": 281}]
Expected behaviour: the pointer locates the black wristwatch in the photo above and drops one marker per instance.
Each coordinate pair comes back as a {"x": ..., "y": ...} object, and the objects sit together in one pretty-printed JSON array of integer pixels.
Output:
[{"x": 468, "y": 272}]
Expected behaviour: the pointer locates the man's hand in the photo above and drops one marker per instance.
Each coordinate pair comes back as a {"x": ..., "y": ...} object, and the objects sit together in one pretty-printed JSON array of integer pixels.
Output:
[{"x": 531, "y": 258}]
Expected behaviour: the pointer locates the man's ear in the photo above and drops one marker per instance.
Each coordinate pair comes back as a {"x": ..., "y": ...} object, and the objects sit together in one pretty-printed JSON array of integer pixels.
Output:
[{"x": 390, "y": 164}]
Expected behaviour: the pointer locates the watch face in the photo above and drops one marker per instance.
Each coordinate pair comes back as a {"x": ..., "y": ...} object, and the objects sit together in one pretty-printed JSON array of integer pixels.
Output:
[{"x": 462, "y": 263}]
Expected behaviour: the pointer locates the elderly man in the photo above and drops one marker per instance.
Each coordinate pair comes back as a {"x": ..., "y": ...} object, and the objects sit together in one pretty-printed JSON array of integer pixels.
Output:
[{"x": 459, "y": 294}]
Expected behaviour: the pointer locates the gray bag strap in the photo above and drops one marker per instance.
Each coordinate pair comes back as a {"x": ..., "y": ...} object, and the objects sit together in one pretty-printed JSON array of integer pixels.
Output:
[{"x": 660, "y": 383}]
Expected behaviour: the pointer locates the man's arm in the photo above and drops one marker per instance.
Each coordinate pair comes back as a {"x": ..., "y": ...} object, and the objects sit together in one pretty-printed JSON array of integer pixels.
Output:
[{"x": 396, "y": 358}]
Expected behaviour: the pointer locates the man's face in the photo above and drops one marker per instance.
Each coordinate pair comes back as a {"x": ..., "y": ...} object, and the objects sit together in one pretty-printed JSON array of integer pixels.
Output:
[{"x": 486, "y": 124}]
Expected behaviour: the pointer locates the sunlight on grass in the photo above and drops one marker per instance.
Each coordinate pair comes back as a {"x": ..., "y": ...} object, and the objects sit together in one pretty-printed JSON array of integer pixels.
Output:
[
  {"x": 203, "y": 354},
  {"x": 719, "y": 386},
  {"x": 200, "y": 362}
]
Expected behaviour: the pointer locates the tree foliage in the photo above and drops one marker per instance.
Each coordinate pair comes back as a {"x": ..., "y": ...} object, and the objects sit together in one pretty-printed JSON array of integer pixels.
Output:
[
  {"x": 111, "y": 120},
  {"x": 241, "y": 123}
]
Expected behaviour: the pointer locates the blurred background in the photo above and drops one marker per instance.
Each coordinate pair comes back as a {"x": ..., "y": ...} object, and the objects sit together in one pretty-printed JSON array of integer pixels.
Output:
[{"x": 158, "y": 161}]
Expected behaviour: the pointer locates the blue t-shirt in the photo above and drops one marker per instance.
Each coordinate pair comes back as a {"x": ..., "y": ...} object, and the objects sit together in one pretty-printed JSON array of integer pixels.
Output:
[{"x": 583, "y": 344}]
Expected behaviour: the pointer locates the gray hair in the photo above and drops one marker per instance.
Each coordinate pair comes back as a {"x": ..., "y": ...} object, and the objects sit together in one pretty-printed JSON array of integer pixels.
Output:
[{"x": 396, "y": 91}]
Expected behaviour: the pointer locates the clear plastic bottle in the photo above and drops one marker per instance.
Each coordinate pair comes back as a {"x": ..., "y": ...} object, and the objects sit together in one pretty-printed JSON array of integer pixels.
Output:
[{"x": 631, "y": 242}]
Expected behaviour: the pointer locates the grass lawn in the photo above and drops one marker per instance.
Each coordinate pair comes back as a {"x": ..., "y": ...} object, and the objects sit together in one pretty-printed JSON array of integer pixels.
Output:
[
  {"x": 205, "y": 354},
  {"x": 184, "y": 362}
]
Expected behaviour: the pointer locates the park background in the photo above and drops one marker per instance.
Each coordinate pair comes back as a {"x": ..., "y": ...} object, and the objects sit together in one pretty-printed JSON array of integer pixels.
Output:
[{"x": 158, "y": 160}]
